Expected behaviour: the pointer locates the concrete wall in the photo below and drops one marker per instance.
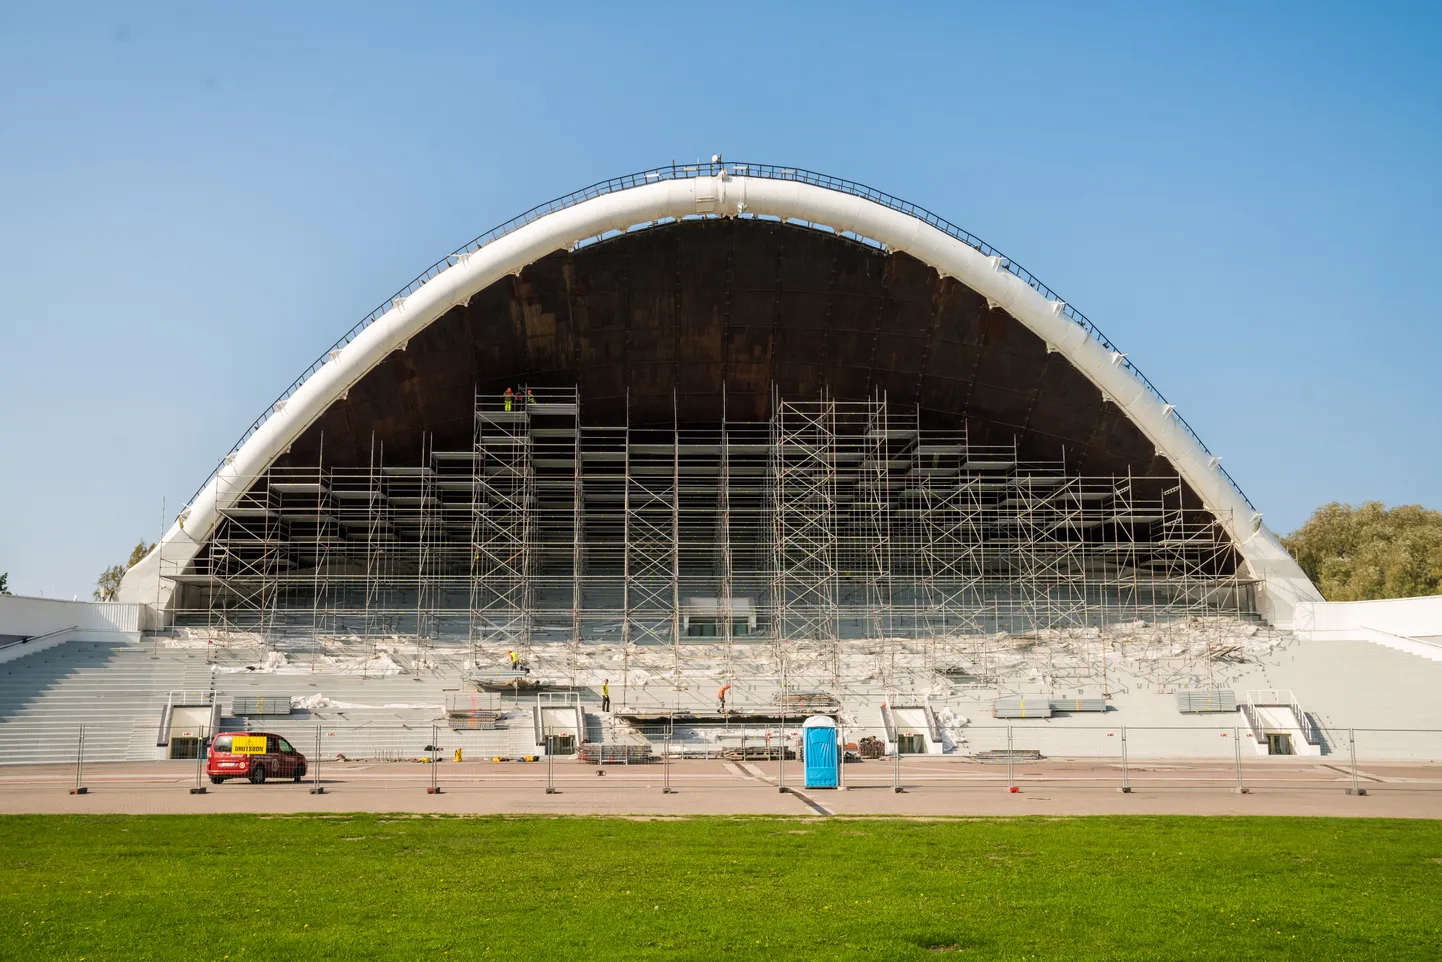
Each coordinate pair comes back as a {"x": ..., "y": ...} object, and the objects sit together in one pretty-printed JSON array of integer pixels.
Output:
[
  {"x": 27, "y": 617},
  {"x": 1413, "y": 625},
  {"x": 1408, "y": 617}
]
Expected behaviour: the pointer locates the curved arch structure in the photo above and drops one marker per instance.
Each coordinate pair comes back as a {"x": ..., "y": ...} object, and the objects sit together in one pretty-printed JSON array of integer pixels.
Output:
[{"x": 741, "y": 193}]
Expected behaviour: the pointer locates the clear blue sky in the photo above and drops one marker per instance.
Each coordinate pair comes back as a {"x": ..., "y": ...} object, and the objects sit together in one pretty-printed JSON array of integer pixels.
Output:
[{"x": 197, "y": 198}]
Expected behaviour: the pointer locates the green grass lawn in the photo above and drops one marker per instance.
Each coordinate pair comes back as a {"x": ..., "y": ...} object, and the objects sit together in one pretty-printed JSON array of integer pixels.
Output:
[{"x": 421, "y": 887}]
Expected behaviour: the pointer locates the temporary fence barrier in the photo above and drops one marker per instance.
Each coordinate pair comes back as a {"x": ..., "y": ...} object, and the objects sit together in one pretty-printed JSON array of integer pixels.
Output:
[
  {"x": 79, "y": 788},
  {"x": 316, "y": 787},
  {"x": 200, "y": 755},
  {"x": 431, "y": 752},
  {"x": 672, "y": 758}
]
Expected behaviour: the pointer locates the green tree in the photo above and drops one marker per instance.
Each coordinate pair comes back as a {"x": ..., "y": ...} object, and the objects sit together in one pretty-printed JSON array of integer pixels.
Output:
[
  {"x": 4, "y": 582},
  {"x": 1356, "y": 553},
  {"x": 109, "y": 581}
]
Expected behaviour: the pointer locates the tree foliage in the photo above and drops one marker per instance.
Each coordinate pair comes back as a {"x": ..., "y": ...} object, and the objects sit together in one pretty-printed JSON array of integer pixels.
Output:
[
  {"x": 109, "y": 581},
  {"x": 4, "y": 582},
  {"x": 1356, "y": 553}
]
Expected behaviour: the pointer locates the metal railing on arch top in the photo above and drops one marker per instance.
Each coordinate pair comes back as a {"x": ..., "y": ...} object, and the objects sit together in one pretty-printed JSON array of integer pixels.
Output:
[{"x": 687, "y": 172}]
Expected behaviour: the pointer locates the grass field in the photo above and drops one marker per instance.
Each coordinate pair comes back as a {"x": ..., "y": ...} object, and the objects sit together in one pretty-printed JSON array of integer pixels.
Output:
[{"x": 247, "y": 887}]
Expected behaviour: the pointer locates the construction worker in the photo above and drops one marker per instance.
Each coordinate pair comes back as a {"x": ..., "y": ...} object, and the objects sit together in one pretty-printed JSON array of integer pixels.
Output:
[
  {"x": 509, "y": 396},
  {"x": 721, "y": 698},
  {"x": 606, "y": 695},
  {"x": 515, "y": 660},
  {"x": 530, "y": 399}
]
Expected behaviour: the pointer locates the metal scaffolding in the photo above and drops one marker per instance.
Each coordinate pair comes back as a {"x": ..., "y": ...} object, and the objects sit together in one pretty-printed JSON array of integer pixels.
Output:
[
  {"x": 827, "y": 523},
  {"x": 804, "y": 523},
  {"x": 503, "y": 501}
]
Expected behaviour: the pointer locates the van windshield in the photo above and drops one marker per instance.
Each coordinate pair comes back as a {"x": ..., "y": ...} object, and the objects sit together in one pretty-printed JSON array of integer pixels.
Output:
[
  {"x": 222, "y": 744},
  {"x": 285, "y": 746}
]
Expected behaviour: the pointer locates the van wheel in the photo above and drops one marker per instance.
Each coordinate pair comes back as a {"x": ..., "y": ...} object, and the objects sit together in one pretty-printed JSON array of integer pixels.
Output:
[
  {"x": 216, "y": 779},
  {"x": 257, "y": 773},
  {"x": 299, "y": 773}
]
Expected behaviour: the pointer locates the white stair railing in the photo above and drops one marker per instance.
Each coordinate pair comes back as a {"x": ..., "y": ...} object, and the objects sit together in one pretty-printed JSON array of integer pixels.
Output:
[{"x": 1279, "y": 698}]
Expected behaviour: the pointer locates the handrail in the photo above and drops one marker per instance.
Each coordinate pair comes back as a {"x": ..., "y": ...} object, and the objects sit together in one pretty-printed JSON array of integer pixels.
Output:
[
  {"x": 458, "y": 702},
  {"x": 162, "y": 736},
  {"x": 933, "y": 724},
  {"x": 558, "y": 699},
  {"x": 1408, "y": 638},
  {"x": 888, "y": 721},
  {"x": 1311, "y": 731},
  {"x": 689, "y": 172},
  {"x": 1254, "y": 721},
  {"x": 34, "y": 638}
]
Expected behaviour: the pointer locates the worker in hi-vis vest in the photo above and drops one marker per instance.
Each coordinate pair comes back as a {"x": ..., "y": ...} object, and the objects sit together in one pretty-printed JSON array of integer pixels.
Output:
[
  {"x": 508, "y": 396},
  {"x": 721, "y": 697},
  {"x": 606, "y": 695}
]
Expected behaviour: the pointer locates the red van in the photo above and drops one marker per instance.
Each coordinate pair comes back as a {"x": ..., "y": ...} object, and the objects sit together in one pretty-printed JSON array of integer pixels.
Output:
[{"x": 253, "y": 755}]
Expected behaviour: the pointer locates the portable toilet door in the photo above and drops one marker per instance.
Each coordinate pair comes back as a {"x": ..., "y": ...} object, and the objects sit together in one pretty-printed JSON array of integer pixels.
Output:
[{"x": 822, "y": 759}]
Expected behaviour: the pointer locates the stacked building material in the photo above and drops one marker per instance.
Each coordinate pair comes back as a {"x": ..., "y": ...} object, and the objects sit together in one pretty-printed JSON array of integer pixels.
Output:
[{"x": 597, "y": 753}]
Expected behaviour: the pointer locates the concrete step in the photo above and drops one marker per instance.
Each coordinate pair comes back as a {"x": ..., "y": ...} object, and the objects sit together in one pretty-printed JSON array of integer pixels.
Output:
[{"x": 116, "y": 690}]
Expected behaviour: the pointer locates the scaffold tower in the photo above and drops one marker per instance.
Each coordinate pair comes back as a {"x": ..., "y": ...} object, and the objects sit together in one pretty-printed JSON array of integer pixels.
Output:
[{"x": 823, "y": 523}]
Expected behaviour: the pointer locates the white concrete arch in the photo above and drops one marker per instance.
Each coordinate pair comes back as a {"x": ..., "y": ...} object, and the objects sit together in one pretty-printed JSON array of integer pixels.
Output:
[{"x": 729, "y": 194}]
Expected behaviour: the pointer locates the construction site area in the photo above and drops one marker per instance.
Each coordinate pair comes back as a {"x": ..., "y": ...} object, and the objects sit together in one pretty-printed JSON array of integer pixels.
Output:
[
  {"x": 831, "y": 522},
  {"x": 694, "y": 466}
]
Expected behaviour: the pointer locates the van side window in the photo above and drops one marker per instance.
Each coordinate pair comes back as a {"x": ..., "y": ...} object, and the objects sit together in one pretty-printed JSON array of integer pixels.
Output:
[
  {"x": 270, "y": 744},
  {"x": 222, "y": 744},
  {"x": 285, "y": 747}
]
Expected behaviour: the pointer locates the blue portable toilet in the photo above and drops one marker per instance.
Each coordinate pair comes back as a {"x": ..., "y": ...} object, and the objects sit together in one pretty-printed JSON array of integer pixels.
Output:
[{"x": 822, "y": 759}]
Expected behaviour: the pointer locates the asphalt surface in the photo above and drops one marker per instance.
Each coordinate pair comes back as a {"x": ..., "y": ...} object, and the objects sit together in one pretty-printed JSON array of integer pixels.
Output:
[{"x": 932, "y": 787}]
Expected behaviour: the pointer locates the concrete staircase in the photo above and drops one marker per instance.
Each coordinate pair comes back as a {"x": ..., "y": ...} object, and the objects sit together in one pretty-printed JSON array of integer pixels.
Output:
[
  {"x": 115, "y": 689},
  {"x": 381, "y": 718},
  {"x": 1428, "y": 648}
]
